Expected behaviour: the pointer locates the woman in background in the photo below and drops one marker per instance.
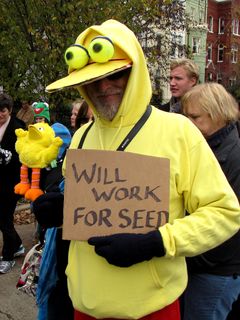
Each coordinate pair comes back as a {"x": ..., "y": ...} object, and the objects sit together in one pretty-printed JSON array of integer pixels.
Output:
[
  {"x": 9, "y": 177},
  {"x": 75, "y": 108},
  {"x": 84, "y": 115},
  {"x": 214, "y": 276},
  {"x": 81, "y": 114}
]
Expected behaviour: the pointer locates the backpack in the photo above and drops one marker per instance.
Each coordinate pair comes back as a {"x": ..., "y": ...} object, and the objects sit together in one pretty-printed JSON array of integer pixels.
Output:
[{"x": 29, "y": 275}]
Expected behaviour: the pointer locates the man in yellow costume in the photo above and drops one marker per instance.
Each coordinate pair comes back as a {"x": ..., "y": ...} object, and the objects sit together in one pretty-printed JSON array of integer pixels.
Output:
[{"x": 141, "y": 276}]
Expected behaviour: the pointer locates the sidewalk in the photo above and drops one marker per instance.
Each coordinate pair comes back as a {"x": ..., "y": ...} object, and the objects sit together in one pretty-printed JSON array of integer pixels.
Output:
[{"x": 15, "y": 305}]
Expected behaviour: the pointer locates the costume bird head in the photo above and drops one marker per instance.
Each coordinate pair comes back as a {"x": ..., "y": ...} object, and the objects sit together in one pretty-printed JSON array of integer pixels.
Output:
[
  {"x": 106, "y": 50},
  {"x": 96, "y": 53},
  {"x": 41, "y": 133},
  {"x": 38, "y": 146}
]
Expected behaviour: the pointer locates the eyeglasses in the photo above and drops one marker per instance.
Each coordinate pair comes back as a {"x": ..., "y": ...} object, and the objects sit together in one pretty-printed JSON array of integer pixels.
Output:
[{"x": 119, "y": 74}]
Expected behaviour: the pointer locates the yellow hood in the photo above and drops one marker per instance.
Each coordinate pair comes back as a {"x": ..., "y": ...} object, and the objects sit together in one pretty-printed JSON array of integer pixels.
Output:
[{"x": 128, "y": 52}]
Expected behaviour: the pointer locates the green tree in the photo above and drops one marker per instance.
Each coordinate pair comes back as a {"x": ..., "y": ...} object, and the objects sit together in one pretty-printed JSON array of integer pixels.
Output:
[{"x": 35, "y": 34}]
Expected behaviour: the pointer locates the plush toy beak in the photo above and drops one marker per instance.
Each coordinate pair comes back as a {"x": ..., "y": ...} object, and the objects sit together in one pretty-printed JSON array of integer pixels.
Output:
[{"x": 34, "y": 133}]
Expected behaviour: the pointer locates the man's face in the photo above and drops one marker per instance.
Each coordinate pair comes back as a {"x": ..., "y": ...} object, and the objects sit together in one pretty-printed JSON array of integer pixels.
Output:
[
  {"x": 106, "y": 94},
  {"x": 180, "y": 82}
]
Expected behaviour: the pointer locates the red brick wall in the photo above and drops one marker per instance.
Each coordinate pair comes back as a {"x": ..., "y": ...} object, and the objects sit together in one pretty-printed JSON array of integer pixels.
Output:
[{"x": 226, "y": 68}]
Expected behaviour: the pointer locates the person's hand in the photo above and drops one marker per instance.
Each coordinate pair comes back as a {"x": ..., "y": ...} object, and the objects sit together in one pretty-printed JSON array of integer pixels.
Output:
[
  {"x": 126, "y": 249},
  {"x": 48, "y": 209},
  {"x": 5, "y": 156}
]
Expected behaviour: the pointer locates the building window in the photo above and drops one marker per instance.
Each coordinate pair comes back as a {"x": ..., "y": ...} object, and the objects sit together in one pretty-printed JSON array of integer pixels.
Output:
[
  {"x": 233, "y": 80},
  {"x": 234, "y": 53},
  {"x": 201, "y": 17},
  {"x": 221, "y": 25},
  {"x": 209, "y": 52},
  {"x": 196, "y": 45},
  {"x": 210, "y": 24},
  {"x": 210, "y": 76},
  {"x": 235, "y": 26},
  {"x": 219, "y": 78},
  {"x": 220, "y": 53},
  {"x": 192, "y": 13}
]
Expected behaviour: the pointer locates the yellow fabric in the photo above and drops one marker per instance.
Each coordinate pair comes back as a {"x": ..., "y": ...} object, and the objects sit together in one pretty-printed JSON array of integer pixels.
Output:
[
  {"x": 196, "y": 183},
  {"x": 37, "y": 146},
  {"x": 94, "y": 70}
]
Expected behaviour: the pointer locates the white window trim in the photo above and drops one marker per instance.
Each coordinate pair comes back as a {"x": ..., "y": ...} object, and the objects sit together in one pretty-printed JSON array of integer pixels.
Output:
[
  {"x": 234, "y": 54},
  {"x": 210, "y": 24},
  {"x": 209, "y": 46},
  {"x": 235, "y": 27},
  {"x": 220, "y": 20},
  {"x": 222, "y": 49},
  {"x": 198, "y": 44}
]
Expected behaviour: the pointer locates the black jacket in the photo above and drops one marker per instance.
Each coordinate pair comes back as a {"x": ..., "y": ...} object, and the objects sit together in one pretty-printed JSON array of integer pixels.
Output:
[
  {"x": 173, "y": 105},
  {"x": 225, "y": 259},
  {"x": 10, "y": 173}
]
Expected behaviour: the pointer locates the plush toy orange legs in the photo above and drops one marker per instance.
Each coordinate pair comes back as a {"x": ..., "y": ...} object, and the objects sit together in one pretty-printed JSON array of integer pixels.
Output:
[
  {"x": 29, "y": 191},
  {"x": 24, "y": 184}
]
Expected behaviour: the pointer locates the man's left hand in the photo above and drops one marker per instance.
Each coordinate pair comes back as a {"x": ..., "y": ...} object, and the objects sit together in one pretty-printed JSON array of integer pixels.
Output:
[{"x": 126, "y": 249}]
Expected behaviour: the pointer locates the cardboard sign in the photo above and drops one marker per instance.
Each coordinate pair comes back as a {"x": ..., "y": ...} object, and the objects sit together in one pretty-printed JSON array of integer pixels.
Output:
[{"x": 109, "y": 192}]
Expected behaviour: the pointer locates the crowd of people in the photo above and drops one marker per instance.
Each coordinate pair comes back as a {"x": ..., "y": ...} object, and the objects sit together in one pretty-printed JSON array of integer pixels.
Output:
[{"x": 189, "y": 267}]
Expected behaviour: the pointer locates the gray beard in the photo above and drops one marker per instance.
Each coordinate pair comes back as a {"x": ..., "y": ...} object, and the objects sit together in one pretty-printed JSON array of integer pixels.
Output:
[{"x": 107, "y": 112}]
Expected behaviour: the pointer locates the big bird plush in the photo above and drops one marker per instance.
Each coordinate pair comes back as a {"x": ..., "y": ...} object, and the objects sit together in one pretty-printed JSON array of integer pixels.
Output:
[{"x": 37, "y": 148}]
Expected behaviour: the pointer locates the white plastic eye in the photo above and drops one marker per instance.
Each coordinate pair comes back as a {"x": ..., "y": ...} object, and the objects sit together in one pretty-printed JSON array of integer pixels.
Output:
[
  {"x": 76, "y": 56},
  {"x": 101, "y": 49}
]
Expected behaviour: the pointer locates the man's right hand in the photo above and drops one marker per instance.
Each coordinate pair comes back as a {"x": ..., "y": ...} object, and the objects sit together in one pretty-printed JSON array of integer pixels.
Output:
[{"x": 48, "y": 209}]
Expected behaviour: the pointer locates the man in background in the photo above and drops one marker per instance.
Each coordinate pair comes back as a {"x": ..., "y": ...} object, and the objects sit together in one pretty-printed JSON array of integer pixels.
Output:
[{"x": 184, "y": 74}]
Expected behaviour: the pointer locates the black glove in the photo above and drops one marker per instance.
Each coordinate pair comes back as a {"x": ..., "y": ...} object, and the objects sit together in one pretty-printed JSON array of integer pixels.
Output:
[
  {"x": 126, "y": 249},
  {"x": 48, "y": 209},
  {"x": 5, "y": 156}
]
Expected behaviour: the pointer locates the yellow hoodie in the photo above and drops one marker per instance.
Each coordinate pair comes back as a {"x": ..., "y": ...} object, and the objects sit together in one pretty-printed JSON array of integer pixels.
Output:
[{"x": 197, "y": 184}]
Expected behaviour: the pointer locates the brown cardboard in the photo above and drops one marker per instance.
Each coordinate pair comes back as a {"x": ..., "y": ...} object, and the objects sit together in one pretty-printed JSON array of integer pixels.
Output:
[{"x": 109, "y": 192}]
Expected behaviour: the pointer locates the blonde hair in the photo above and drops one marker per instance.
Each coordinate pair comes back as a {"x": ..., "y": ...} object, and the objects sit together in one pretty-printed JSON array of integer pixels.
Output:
[
  {"x": 190, "y": 66},
  {"x": 77, "y": 103},
  {"x": 214, "y": 99}
]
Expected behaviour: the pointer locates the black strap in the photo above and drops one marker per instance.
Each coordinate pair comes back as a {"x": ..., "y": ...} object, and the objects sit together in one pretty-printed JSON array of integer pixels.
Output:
[
  {"x": 84, "y": 135},
  {"x": 135, "y": 129},
  {"x": 130, "y": 135}
]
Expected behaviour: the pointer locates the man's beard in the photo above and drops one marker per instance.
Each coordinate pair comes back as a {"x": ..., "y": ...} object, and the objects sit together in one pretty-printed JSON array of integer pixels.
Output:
[{"x": 107, "y": 111}]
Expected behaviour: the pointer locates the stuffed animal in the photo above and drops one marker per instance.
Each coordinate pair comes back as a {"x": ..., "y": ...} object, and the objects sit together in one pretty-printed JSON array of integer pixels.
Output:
[{"x": 37, "y": 148}]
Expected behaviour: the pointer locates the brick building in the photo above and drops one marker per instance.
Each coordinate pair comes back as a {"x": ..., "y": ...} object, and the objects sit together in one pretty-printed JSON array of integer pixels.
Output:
[{"x": 223, "y": 42}]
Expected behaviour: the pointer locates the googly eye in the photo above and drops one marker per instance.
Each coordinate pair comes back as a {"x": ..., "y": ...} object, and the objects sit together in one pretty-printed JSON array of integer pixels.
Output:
[
  {"x": 101, "y": 49},
  {"x": 76, "y": 56},
  {"x": 40, "y": 129}
]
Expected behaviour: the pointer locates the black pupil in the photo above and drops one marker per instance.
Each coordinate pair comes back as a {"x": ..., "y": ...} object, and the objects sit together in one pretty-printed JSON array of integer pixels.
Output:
[
  {"x": 69, "y": 55},
  {"x": 97, "y": 47}
]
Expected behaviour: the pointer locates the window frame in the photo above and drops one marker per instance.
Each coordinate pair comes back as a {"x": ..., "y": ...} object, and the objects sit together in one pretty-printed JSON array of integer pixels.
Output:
[
  {"x": 209, "y": 49},
  {"x": 197, "y": 45},
  {"x": 220, "y": 49},
  {"x": 221, "y": 25},
  {"x": 210, "y": 24},
  {"x": 235, "y": 27},
  {"x": 234, "y": 53}
]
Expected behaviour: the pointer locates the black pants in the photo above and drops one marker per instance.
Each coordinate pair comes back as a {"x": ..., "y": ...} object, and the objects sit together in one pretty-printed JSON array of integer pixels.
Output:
[
  {"x": 11, "y": 239},
  {"x": 235, "y": 312},
  {"x": 59, "y": 303}
]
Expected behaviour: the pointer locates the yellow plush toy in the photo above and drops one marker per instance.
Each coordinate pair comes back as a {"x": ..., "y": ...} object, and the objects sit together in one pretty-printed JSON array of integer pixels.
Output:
[{"x": 37, "y": 148}]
